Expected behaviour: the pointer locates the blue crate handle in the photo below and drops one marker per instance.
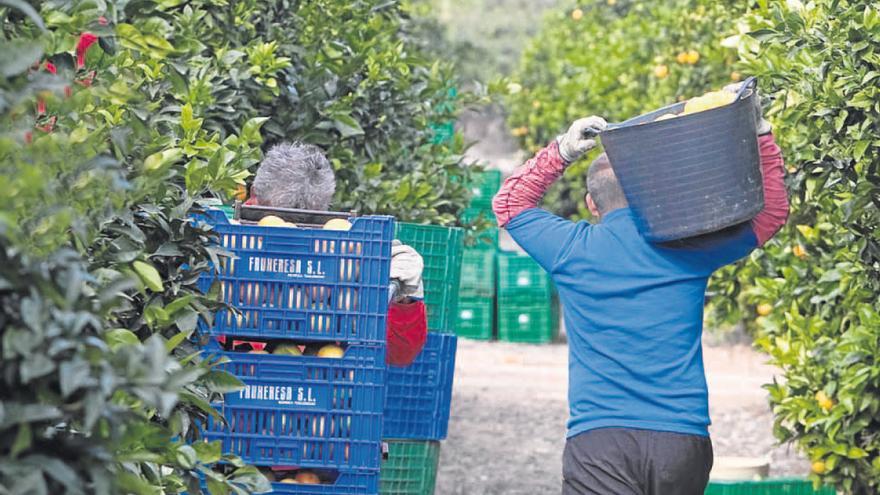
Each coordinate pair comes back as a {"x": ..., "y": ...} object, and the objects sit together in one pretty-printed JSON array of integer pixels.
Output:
[{"x": 749, "y": 85}]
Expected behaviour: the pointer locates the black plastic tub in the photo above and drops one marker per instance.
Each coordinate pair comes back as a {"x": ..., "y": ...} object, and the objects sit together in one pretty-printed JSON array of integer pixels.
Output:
[{"x": 691, "y": 175}]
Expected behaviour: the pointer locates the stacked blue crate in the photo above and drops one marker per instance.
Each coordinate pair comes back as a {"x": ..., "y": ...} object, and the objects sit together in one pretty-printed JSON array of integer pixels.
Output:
[
  {"x": 418, "y": 397},
  {"x": 303, "y": 288}
]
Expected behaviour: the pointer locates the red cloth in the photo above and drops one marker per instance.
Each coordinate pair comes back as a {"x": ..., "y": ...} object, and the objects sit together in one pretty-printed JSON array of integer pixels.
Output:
[
  {"x": 407, "y": 331},
  {"x": 769, "y": 220}
]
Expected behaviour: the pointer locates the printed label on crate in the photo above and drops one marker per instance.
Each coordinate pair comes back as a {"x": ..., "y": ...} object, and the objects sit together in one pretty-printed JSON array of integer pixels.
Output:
[
  {"x": 523, "y": 280},
  {"x": 467, "y": 314},
  {"x": 254, "y": 395},
  {"x": 523, "y": 319},
  {"x": 304, "y": 268}
]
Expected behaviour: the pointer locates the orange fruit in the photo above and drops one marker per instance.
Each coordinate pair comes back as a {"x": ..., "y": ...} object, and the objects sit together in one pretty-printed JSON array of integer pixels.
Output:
[
  {"x": 682, "y": 58},
  {"x": 240, "y": 192},
  {"x": 693, "y": 57},
  {"x": 577, "y": 14},
  {"x": 337, "y": 224},
  {"x": 661, "y": 71},
  {"x": 331, "y": 351},
  {"x": 307, "y": 478},
  {"x": 735, "y": 76},
  {"x": 536, "y": 104},
  {"x": 764, "y": 309},
  {"x": 271, "y": 221},
  {"x": 799, "y": 251},
  {"x": 824, "y": 401},
  {"x": 288, "y": 350},
  {"x": 519, "y": 131},
  {"x": 818, "y": 467}
]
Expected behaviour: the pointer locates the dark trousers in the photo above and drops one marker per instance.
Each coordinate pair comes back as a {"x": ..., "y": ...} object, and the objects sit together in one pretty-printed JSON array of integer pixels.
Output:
[{"x": 622, "y": 461}]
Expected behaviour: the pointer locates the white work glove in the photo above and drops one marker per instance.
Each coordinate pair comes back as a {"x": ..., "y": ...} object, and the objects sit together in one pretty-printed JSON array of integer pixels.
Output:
[
  {"x": 760, "y": 122},
  {"x": 406, "y": 270},
  {"x": 580, "y": 137}
]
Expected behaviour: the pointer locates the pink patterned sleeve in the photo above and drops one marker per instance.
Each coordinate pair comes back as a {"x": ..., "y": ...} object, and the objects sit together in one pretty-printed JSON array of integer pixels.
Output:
[
  {"x": 525, "y": 188},
  {"x": 769, "y": 220}
]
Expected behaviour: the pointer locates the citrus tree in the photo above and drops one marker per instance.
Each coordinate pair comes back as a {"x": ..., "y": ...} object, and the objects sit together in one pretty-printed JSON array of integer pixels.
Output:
[
  {"x": 616, "y": 59},
  {"x": 816, "y": 293}
]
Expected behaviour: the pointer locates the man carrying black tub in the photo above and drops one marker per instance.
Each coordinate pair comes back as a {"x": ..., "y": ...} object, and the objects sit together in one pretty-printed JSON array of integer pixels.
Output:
[{"x": 638, "y": 400}]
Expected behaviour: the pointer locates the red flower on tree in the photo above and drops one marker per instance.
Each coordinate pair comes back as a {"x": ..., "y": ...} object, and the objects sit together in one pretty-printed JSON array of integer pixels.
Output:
[
  {"x": 86, "y": 40},
  {"x": 50, "y": 68}
]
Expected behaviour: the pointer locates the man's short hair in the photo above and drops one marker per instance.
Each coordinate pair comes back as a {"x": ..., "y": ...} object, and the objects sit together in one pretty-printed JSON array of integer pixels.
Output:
[
  {"x": 604, "y": 187},
  {"x": 295, "y": 175}
]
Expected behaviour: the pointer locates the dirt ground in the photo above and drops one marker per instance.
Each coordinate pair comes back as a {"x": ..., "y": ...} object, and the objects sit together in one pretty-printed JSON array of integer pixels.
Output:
[{"x": 507, "y": 426}]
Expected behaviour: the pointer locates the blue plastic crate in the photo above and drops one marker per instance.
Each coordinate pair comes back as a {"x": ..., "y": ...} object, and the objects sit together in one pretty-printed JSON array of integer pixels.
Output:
[
  {"x": 302, "y": 283},
  {"x": 347, "y": 482},
  {"x": 304, "y": 411},
  {"x": 418, "y": 396}
]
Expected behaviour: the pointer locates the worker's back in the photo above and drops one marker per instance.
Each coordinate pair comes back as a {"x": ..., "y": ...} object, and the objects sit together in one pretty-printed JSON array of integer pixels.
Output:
[{"x": 633, "y": 315}]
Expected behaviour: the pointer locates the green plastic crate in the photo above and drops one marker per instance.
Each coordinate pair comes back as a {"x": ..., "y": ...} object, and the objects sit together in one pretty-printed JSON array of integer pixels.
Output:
[
  {"x": 441, "y": 248},
  {"x": 778, "y": 486},
  {"x": 477, "y": 273},
  {"x": 520, "y": 274},
  {"x": 528, "y": 321},
  {"x": 228, "y": 210},
  {"x": 484, "y": 239},
  {"x": 443, "y": 132},
  {"x": 476, "y": 318},
  {"x": 411, "y": 468},
  {"x": 483, "y": 188}
]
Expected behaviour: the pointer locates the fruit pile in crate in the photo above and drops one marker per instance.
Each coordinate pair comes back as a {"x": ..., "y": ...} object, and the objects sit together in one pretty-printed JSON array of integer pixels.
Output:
[
  {"x": 305, "y": 332},
  {"x": 418, "y": 396},
  {"x": 502, "y": 291}
]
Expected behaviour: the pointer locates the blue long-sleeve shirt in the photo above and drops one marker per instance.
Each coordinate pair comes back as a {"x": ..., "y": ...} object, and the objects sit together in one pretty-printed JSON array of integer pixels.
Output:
[{"x": 634, "y": 313}]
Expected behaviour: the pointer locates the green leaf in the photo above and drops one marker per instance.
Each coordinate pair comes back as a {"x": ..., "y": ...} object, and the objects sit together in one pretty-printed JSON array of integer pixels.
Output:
[
  {"x": 251, "y": 130},
  {"x": 187, "y": 122},
  {"x": 222, "y": 382},
  {"x": 22, "y": 440},
  {"x": 17, "y": 56},
  {"x": 162, "y": 158},
  {"x": 186, "y": 456},
  {"x": 217, "y": 487},
  {"x": 73, "y": 375},
  {"x": 402, "y": 191},
  {"x": 175, "y": 341},
  {"x": 149, "y": 275},
  {"x": 856, "y": 453},
  {"x": 119, "y": 337},
  {"x": 179, "y": 303},
  {"x": 209, "y": 452},
  {"x": 27, "y": 10},
  {"x": 347, "y": 126}
]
